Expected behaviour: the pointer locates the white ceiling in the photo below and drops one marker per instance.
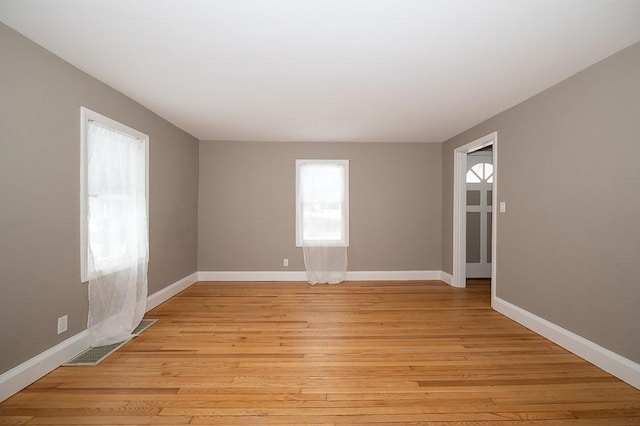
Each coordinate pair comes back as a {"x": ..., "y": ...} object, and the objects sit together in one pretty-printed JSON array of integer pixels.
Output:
[{"x": 328, "y": 70}]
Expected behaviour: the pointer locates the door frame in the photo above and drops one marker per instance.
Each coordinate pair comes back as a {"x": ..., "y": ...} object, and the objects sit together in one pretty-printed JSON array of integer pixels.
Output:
[{"x": 459, "y": 276}]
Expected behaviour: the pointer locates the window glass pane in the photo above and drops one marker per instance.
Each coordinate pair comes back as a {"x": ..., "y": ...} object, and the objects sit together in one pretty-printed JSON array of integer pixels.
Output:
[
  {"x": 481, "y": 172},
  {"x": 478, "y": 169},
  {"x": 322, "y": 202},
  {"x": 116, "y": 187},
  {"x": 107, "y": 235},
  {"x": 488, "y": 170},
  {"x": 472, "y": 177}
]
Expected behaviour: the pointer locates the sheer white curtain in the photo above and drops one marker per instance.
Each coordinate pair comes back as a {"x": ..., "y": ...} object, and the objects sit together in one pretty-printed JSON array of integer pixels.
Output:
[
  {"x": 117, "y": 240},
  {"x": 323, "y": 219},
  {"x": 325, "y": 265}
]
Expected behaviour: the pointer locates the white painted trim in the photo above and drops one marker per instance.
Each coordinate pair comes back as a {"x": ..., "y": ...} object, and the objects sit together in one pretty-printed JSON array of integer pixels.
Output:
[
  {"x": 393, "y": 275},
  {"x": 302, "y": 275},
  {"x": 494, "y": 217},
  {"x": 459, "y": 275},
  {"x": 446, "y": 277},
  {"x": 252, "y": 276},
  {"x": 609, "y": 361},
  {"x": 168, "y": 292},
  {"x": 31, "y": 370}
]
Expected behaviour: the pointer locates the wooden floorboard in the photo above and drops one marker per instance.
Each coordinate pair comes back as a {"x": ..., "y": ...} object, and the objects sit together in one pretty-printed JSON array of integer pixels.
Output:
[{"x": 410, "y": 353}]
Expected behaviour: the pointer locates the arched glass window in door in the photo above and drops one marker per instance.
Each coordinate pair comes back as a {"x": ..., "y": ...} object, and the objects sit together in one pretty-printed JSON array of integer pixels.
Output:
[{"x": 480, "y": 173}]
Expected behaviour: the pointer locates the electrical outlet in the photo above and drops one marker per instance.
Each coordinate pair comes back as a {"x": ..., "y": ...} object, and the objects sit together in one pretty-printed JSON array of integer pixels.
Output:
[
  {"x": 285, "y": 262},
  {"x": 62, "y": 324}
]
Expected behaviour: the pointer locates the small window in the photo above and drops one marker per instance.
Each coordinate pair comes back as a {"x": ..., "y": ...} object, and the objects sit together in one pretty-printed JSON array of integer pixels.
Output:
[
  {"x": 481, "y": 172},
  {"x": 113, "y": 200},
  {"x": 322, "y": 203}
]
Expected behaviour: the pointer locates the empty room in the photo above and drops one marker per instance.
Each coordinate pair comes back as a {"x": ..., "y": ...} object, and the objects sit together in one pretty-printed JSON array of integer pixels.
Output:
[{"x": 297, "y": 212}]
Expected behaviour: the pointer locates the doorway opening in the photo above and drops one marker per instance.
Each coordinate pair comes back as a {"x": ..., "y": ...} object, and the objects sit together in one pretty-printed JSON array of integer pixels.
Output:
[
  {"x": 479, "y": 212},
  {"x": 459, "y": 276}
]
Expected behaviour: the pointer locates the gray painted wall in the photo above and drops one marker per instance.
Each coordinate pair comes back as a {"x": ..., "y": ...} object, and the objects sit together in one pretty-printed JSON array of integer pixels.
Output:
[
  {"x": 569, "y": 242},
  {"x": 40, "y": 195},
  {"x": 247, "y": 205}
]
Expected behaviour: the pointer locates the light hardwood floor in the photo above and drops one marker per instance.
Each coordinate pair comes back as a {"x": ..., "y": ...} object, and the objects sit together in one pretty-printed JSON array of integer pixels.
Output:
[{"x": 354, "y": 353}]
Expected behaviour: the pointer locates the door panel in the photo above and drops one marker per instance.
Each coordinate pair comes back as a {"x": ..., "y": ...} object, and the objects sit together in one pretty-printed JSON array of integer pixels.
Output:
[{"x": 473, "y": 237}]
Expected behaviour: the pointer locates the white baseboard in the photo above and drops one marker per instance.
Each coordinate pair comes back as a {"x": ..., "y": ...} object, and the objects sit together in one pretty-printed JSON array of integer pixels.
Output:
[
  {"x": 168, "y": 292},
  {"x": 609, "y": 361},
  {"x": 31, "y": 370},
  {"x": 252, "y": 276},
  {"x": 393, "y": 275},
  {"x": 302, "y": 276},
  {"x": 446, "y": 277}
]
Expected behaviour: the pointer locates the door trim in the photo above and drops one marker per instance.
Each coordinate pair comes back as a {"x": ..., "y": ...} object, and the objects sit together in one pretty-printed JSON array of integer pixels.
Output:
[{"x": 459, "y": 276}]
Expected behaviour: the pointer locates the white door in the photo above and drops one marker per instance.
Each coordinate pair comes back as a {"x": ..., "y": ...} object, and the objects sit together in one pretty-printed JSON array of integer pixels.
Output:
[{"x": 479, "y": 185}]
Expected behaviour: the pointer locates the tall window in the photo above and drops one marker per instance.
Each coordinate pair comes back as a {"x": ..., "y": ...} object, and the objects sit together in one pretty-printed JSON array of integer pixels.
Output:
[
  {"x": 322, "y": 203},
  {"x": 114, "y": 207}
]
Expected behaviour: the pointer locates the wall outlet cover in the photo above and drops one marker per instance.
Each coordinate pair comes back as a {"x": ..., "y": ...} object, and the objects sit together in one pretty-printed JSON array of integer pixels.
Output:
[{"x": 62, "y": 324}]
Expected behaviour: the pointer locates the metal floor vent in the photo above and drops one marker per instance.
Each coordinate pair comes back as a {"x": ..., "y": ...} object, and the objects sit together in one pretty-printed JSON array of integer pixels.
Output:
[
  {"x": 93, "y": 356},
  {"x": 144, "y": 324}
]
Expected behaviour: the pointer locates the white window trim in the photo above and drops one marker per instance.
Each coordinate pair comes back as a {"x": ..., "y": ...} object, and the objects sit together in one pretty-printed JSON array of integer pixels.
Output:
[
  {"x": 345, "y": 164},
  {"x": 87, "y": 115}
]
